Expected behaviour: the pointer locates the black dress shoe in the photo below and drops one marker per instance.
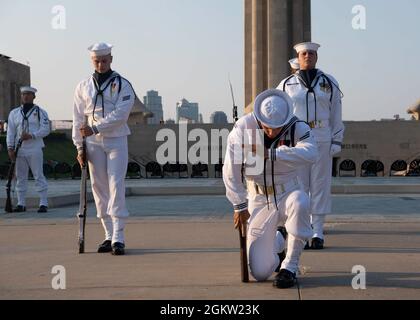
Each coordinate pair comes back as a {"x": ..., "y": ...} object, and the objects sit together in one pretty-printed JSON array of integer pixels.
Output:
[
  {"x": 43, "y": 209},
  {"x": 105, "y": 247},
  {"x": 118, "y": 249},
  {"x": 284, "y": 279},
  {"x": 19, "y": 209},
  {"x": 317, "y": 244}
]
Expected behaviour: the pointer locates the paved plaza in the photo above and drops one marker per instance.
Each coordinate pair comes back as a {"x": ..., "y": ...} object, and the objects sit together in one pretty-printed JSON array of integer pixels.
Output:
[{"x": 181, "y": 245}]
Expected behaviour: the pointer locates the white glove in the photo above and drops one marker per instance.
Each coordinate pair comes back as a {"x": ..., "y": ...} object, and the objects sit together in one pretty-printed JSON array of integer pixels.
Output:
[{"x": 335, "y": 149}]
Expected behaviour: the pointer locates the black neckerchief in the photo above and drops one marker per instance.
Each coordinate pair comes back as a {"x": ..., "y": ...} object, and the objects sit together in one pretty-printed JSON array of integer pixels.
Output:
[
  {"x": 107, "y": 77},
  {"x": 272, "y": 144},
  {"x": 26, "y": 111},
  {"x": 308, "y": 76},
  {"x": 26, "y": 107},
  {"x": 269, "y": 144},
  {"x": 102, "y": 77}
]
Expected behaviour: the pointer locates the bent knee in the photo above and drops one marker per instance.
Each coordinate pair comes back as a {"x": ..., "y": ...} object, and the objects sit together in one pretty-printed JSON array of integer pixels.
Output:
[
  {"x": 261, "y": 269},
  {"x": 261, "y": 274}
]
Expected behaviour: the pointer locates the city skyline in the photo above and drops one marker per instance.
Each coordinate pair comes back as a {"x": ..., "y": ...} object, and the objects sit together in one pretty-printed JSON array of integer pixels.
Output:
[
  {"x": 187, "y": 54},
  {"x": 154, "y": 103},
  {"x": 154, "y": 94}
]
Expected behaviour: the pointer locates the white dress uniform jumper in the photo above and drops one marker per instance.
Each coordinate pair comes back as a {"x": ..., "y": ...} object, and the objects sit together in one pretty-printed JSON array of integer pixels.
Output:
[
  {"x": 318, "y": 103},
  {"x": 34, "y": 120},
  {"x": 273, "y": 196},
  {"x": 107, "y": 107}
]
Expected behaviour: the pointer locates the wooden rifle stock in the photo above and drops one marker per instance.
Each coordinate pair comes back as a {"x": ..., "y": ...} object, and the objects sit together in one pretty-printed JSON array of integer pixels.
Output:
[{"x": 244, "y": 256}]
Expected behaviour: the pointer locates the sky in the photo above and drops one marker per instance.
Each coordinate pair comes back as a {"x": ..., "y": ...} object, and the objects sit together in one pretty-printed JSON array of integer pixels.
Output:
[{"x": 188, "y": 48}]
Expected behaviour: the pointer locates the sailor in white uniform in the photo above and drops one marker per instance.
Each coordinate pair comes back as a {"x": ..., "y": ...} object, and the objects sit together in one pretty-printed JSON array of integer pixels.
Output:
[
  {"x": 30, "y": 124},
  {"x": 102, "y": 105},
  {"x": 273, "y": 195},
  {"x": 294, "y": 65},
  {"x": 316, "y": 99}
]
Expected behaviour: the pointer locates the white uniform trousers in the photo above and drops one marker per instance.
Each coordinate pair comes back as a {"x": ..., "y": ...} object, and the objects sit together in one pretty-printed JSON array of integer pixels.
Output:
[
  {"x": 108, "y": 158},
  {"x": 263, "y": 245},
  {"x": 34, "y": 160},
  {"x": 316, "y": 180}
]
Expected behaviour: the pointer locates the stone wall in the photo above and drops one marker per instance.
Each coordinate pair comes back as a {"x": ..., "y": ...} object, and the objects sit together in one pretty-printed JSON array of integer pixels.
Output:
[{"x": 386, "y": 141}]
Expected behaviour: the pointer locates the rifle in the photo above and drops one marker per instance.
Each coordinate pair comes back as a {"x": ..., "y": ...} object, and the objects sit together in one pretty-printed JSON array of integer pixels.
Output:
[
  {"x": 8, "y": 207},
  {"x": 235, "y": 108},
  {"x": 244, "y": 256},
  {"x": 242, "y": 232},
  {"x": 81, "y": 215}
]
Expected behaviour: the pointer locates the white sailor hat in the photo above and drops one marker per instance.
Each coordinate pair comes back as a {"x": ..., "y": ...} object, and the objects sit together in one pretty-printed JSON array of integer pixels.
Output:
[
  {"x": 28, "y": 89},
  {"x": 294, "y": 63},
  {"x": 306, "y": 46},
  {"x": 273, "y": 108},
  {"x": 100, "y": 49}
]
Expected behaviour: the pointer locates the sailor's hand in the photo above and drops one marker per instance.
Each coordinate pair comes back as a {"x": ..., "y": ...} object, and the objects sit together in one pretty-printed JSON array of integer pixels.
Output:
[
  {"x": 80, "y": 159},
  {"x": 240, "y": 220},
  {"x": 257, "y": 148},
  {"x": 86, "y": 131},
  {"x": 26, "y": 136},
  {"x": 12, "y": 154}
]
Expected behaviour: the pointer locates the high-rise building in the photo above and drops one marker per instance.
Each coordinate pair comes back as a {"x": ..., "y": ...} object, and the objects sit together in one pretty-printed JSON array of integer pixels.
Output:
[
  {"x": 187, "y": 111},
  {"x": 153, "y": 103},
  {"x": 218, "y": 117}
]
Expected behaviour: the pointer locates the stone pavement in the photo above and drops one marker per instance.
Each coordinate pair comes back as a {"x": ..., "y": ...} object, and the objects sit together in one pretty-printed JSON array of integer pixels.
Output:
[
  {"x": 66, "y": 192},
  {"x": 184, "y": 247},
  {"x": 199, "y": 259}
]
